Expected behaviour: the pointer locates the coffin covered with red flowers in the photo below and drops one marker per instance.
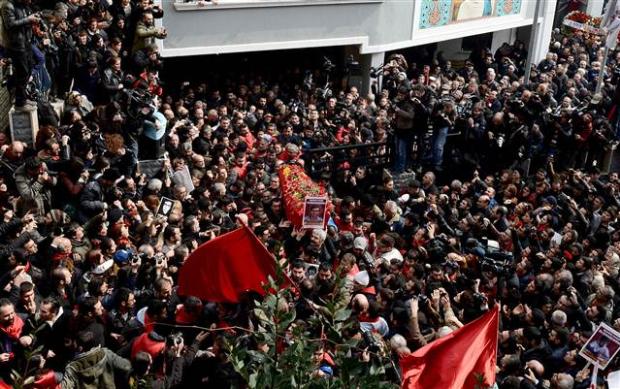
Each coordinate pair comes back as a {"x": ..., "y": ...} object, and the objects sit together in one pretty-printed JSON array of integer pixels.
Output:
[
  {"x": 296, "y": 186},
  {"x": 581, "y": 21}
]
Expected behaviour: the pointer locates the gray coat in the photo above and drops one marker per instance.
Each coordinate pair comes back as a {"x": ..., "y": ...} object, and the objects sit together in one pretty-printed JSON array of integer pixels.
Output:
[{"x": 94, "y": 369}]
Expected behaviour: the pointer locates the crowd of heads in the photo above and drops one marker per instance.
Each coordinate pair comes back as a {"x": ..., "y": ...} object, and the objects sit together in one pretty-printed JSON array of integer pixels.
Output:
[{"x": 92, "y": 240}]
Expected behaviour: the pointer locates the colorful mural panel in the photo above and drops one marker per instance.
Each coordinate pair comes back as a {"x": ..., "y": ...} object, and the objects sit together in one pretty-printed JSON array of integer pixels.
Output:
[{"x": 436, "y": 13}]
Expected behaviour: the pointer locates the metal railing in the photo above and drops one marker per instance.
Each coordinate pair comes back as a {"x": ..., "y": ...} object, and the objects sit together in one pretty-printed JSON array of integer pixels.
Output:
[{"x": 374, "y": 156}]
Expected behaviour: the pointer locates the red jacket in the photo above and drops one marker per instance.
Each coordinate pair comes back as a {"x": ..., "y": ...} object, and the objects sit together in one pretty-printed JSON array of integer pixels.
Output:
[{"x": 150, "y": 343}]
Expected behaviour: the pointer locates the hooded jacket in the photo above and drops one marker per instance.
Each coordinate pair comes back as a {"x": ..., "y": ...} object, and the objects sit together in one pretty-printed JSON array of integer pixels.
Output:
[{"x": 94, "y": 369}]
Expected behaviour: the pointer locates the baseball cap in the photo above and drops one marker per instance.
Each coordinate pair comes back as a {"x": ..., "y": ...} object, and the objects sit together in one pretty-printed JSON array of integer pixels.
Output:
[
  {"x": 360, "y": 243},
  {"x": 122, "y": 255}
]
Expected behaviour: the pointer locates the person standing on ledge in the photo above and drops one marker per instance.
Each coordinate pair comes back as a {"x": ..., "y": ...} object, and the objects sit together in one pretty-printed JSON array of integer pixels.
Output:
[{"x": 17, "y": 24}]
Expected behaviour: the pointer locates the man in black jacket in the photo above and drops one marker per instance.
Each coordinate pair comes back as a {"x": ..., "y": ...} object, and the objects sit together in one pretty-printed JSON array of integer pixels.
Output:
[
  {"x": 403, "y": 127},
  {"x": 93, "y": 197},
  {"x": 17, "y": 21},
  {"x": 51, "y": 331}
]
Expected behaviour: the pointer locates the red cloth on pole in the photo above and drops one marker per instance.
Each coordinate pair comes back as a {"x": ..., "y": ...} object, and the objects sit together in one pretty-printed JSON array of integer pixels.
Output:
[
  {"x": 222, "y": 269},
  {"x": 457, "y": 360}
]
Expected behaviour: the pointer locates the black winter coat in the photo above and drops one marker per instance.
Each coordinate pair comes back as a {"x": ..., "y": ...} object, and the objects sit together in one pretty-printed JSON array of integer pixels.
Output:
[{"x": 18, "y": 32}]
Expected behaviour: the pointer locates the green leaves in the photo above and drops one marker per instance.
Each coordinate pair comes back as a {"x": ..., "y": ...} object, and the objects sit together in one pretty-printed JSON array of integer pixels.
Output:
[
  {"x": 342, "y": 315},
  {"x": 280, "y": 353}
]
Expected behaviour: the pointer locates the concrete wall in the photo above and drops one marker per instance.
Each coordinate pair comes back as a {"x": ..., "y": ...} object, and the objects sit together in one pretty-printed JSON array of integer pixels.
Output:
[{"x": 373, "y": 25}]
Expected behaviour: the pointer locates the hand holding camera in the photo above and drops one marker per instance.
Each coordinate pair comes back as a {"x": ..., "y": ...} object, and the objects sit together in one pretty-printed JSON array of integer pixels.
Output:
[
  {"x": 34, "y": 18},
  {"x": 160, "y": 261},
  {"x": 44, "y": 177},
  {"x": 176, "y": 344}
]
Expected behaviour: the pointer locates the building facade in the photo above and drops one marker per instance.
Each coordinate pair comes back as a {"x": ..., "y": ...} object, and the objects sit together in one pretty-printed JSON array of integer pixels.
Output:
[{"x": 370, "y": 27}]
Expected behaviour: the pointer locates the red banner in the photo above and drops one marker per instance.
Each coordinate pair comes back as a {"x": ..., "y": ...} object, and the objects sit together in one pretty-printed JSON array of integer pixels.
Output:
[
  {"x": 217, "y": 273},
  {"x": 464, "y": 359}
]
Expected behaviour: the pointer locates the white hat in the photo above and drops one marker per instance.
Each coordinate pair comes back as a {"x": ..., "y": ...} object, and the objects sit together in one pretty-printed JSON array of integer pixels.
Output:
[
  {"x": 444, "y": 331},
  {"x": 104, "y": 267},
  {"x": 362, "y": 278},
  {"x": 392, "y": 254},
  {"x": 360, "y": 243}
]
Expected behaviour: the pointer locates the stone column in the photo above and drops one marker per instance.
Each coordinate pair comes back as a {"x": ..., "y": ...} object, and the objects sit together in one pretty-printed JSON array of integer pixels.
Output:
[{"x": 368, "y": 61}]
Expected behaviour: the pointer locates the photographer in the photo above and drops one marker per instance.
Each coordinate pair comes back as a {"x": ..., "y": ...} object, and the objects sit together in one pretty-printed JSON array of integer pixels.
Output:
[
  {"x": 92, "y": 198},
  {"x": 403, "y": 127},
  {"x": 112, "y": 80},
  {"x": 443, "y": 118},
  {"x": 34, "y": 184},
  {"x": 422, "y": 105},
  {"x": 179, "y": 357},
  {"x": 17, "y": 21},
  {"x": 45, "y": 58},
  {"x": 146, "y": 32}
]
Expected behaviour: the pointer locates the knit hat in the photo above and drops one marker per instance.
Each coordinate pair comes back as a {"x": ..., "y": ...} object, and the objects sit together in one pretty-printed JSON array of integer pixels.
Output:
[
  {"x": 114, "y": 215},
  {"x": 104, "y": 267}
]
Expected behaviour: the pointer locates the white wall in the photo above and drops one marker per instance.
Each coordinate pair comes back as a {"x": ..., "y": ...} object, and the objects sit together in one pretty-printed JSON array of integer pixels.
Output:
[{"x": 373, "y": 25}]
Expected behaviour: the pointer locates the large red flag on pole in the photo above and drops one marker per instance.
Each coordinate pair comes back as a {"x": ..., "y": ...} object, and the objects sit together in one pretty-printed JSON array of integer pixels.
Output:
[
  {"x": 464, "y": 359},
  {"x": 224, "y": 268}
]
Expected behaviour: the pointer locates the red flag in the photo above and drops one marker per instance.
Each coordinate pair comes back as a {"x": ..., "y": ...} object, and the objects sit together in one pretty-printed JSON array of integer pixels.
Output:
[
  {"x": 464, "y": 359},
  {"x": 222, "y": 269}
]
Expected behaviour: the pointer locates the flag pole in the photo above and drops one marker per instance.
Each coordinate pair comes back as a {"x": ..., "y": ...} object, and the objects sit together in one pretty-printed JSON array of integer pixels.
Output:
[
  {"x": 608, "y": 26},
  {"x": 593, "y": 382},
  {"x": 530, "y": 49},
  {"x": 601, "y": 76}
]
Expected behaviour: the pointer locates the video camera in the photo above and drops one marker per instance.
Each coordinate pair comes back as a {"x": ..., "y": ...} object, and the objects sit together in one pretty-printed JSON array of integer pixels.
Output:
[
  {"x": 328, "y": 66},
  {"x": 497, "y": 263},
  {"x": 371, "y": 342},
  {"x": 140, "y": 103}
]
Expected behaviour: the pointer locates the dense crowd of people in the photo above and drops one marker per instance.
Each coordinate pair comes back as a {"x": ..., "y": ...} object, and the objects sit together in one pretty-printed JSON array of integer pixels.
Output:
[{"x": 89, "y": 265}]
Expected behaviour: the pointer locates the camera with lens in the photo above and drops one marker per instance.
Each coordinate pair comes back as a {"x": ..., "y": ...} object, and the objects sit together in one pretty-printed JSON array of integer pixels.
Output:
[
  {"x": 479, "y": 298},
  {"x": 376, "y": 72},
  {"x": 371, "y": 342},
  {"x": 140, "y": 103},
  {"x": 563, "y": 197},
  {"x": 174, "y": 339},
  {"x": 295, "y": 105},
  {"x": 135, "y": 258},
  {"x": 328, "y": 66},
  {"x": 497, "y": 263},
  {"x": 159, "y": 258}
]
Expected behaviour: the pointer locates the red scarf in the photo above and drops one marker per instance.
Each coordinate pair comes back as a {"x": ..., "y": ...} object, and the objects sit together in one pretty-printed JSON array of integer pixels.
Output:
[{"x": 14, "y": 330}]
